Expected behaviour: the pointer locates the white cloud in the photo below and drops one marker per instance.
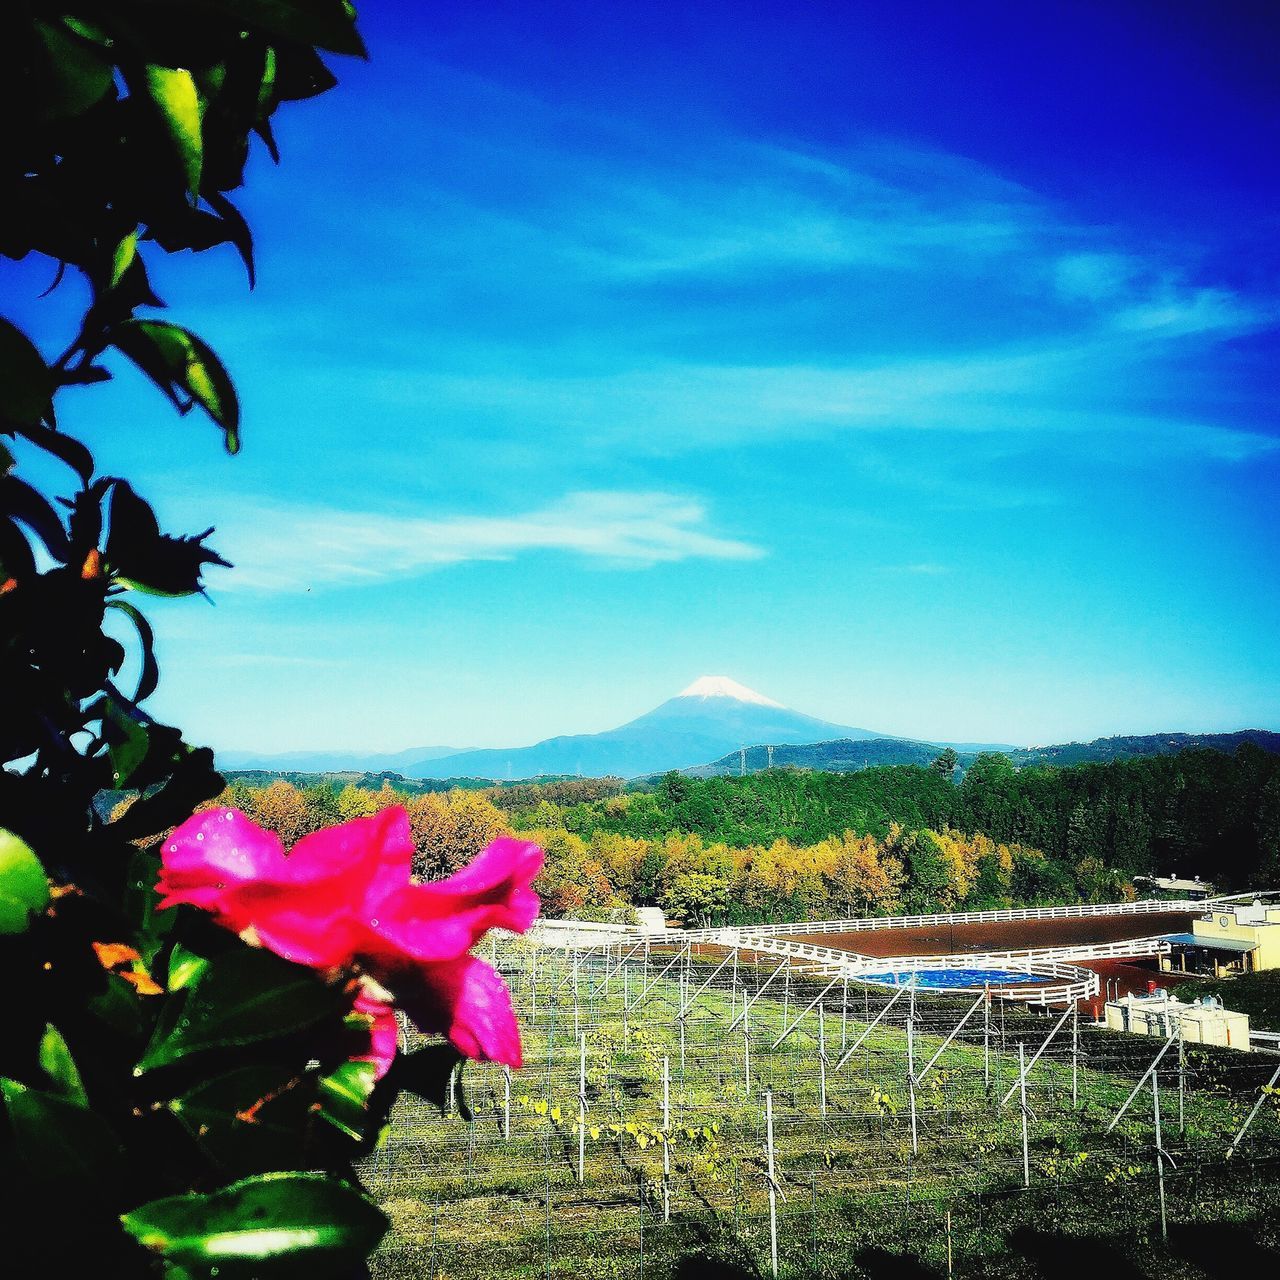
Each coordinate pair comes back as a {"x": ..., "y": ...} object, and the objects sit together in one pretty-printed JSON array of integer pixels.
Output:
[{"x": 299, "y": 548}]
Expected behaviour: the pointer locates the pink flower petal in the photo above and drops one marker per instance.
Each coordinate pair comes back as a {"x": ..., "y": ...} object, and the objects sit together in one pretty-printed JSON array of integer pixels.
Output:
[
  {"x": 443, "y": 920},
  {"x": 210, "y": 856},
  {"x": 384, "y": 1034},
  {"x": 467, "y": 1001}
]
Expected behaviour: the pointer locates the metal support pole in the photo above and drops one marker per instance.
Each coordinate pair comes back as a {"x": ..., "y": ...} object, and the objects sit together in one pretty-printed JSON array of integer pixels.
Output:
[
  {"x": 1022, "y": 1084},
  {"x": 822, "y": 1061},
  {"x": 844, "y": 1012},
  {"x": 746, "y": 1043},
  {"x": 1155, "y": 1111},
  {"x": 1035, "y": 1057},
  {"x": 911, "y": 1082},
  {"x": 506, "y": 1103},
  {"x": 800, "y": 1018},
  {"x": 1257, "y": 1106},
  {"x": 1168, "y": 1044},
  {"x": 867, "y": 1030},
  {"x": 582, "y": 1107},
  {"x": 666, "y": 1139},
  {"x": 1182, "y": 1080},
  {"x": 1075, "y": 1056},
  {"x": 986, "y": 1038},
  {"x": 577, "y": 1022},
  {"x": 773, "y": 1185}
]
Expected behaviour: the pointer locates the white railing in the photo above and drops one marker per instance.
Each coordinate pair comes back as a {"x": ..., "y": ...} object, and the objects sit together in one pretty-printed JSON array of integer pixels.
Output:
[
  {"x": 1078, "y": 984},
  {"x": 856, "y": 924}
]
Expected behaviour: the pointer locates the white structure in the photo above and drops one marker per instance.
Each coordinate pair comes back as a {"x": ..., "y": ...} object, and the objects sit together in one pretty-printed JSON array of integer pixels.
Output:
[{"x": 1159, "y": 1014}]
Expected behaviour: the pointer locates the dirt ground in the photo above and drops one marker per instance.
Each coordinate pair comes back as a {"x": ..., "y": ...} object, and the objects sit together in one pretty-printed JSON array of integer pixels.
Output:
[{"x": 1002, "y": 935}]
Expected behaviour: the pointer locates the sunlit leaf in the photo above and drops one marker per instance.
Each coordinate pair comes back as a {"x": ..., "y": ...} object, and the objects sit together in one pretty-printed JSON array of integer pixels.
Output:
[
  {"x": 173, "y": 90},
  {"x": 57, "y": 1063},
  {"x": 24, "y": 890},
  {"x": 268, "y": 1224},
  {"x": 184, "y": 368}
]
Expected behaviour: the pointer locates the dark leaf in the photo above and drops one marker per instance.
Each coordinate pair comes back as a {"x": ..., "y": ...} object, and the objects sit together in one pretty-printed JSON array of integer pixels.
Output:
[
  {"x": 60, "y": 1144},
  {"x": 243, "y": 997},
  {"x": 330, "y": 24},
  {"x": 426, "y": 1072},
  {"x": 63, "y": 447},
  {"x": 193, "y": 780},
  {"x": 252, "y": 1119},
  {"x": 266, "y": 1226},
  {"x": 127, "y": 740},
  {"x": 237, "y": 232},
  {"x": 184, "y": 368},
  {"x": 140, "y": 556},
  {"x": 79, "y": 74},
  {"x": 26, "y": 384},
  {"x": 149, "y": 677},
  {"x": 19, "y": 501}
]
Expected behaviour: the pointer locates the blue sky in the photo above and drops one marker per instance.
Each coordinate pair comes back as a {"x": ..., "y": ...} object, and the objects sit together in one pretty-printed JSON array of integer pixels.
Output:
[{"x": 914, "y": 364}]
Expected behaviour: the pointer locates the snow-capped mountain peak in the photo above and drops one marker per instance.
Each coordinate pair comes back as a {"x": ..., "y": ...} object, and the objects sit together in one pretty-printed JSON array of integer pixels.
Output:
[{"x": 724, "y": 687}]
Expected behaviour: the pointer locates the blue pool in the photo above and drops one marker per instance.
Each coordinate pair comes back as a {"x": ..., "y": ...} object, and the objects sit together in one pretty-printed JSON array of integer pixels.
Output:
[{"x": 926, "y": 978}]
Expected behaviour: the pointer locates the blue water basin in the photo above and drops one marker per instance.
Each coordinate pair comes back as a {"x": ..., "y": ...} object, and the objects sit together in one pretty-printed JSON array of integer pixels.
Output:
[{"x": 952, "y": 978}]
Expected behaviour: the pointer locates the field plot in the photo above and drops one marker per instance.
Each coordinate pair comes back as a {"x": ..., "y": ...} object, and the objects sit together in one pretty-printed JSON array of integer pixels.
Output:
[{"x": 637, "y": 1136}]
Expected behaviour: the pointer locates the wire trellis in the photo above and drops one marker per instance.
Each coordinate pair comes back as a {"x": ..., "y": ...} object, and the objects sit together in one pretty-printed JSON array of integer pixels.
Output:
[{"x": 675, "y": 1100}]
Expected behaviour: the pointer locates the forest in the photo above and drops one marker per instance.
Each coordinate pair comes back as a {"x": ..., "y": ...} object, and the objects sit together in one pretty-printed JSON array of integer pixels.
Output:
[{"x": 794, "y": 844}]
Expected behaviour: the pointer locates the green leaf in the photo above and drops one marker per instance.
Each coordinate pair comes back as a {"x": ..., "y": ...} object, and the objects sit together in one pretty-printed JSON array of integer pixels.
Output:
[
  {"x": 128, "y": 741},
  {"x": 184, "y": 967},
  {"x": 122, "y": 258},
  {"x": 173, "y": 90},
  {"x": 243, "y": 997},
  {"x": 26, "y": 385},
  {"x": 79, "y": 75},
  {"x": 330, "y": 24},
  {"x": 270, "y": 1225},
  {"x": 184, "y": 368},
  {"x": 344, "y": 1097},
  {"x": 24, "y": 890},
  {"x": 59, "y": 1143},
  {"x": 251, "y": 1119},
  {"x": 57, "y": 1063}
]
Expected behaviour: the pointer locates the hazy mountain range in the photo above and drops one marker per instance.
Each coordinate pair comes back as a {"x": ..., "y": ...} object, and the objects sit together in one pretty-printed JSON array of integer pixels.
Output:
[
  {"x": 845, "y": 755},
  {"x": 713, "y": 716}
]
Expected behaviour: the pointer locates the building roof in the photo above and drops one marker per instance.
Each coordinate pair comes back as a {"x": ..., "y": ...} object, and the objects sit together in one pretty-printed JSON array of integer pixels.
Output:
[{"x": 1210, "y": 944}]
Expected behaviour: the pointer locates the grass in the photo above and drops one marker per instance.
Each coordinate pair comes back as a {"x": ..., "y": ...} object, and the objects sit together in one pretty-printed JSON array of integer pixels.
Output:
[{"x": 465, "y": 1202}]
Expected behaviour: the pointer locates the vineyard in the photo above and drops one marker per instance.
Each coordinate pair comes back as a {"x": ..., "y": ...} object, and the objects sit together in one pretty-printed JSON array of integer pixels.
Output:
[{"x": 731, "y": 1108}]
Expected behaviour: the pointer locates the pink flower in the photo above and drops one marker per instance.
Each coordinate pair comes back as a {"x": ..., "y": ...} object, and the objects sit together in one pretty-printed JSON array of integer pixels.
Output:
[{"x": 344, "y": 898}]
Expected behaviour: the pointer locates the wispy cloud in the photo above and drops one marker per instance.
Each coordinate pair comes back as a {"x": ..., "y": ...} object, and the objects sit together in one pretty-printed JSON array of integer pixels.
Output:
[{"x": 300, "y": 548}]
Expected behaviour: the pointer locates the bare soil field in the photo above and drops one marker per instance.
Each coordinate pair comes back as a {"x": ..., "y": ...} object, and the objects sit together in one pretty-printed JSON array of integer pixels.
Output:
[{"x": 1002, "y": 935}]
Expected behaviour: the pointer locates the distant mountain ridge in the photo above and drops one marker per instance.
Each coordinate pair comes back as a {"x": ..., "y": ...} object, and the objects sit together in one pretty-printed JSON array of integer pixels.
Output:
[
  {"x": 844, "y": 755},
  {"x": 713, "y": 726},
  {"x": 713, "y": 715}
]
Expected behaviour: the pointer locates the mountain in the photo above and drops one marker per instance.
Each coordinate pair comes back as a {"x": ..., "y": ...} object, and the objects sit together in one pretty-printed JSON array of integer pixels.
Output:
[
  {"x": 714, "y": 715},
  {"x": 333, "y": 761},
  {"x": 845, "y": 756}
]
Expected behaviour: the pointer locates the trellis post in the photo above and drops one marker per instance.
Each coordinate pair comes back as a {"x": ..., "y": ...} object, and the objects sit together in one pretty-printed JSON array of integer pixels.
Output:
[
  {"x": 911, "y": 1081},
  {"x": 582, "y": 1107},
  {"x": 1022, "y": 1087},
  {"x": 822, "y": 1060},
  {"x": 506, "y": 1102},
  {"x": 1155, "y": 1112},
  {"x": 666, "y": 1139},
  {"x": 1075, "y": 1056},
  {"x": 746, "y": 1042},
  {"x": 773, "y": 1184}
]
